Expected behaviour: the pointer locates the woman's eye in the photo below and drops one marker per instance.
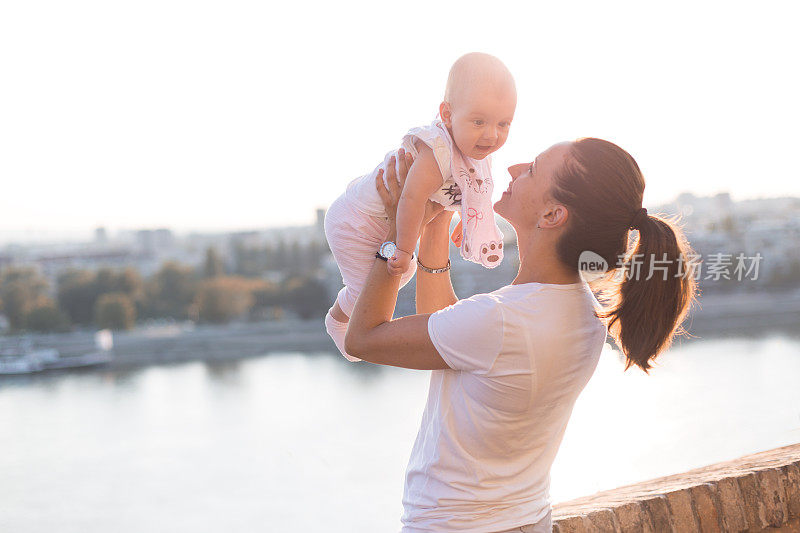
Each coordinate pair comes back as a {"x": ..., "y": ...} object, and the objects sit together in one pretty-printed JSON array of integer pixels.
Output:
[
  {"x": 478, "y": 122},
  {"x": 505, "y": 124}
]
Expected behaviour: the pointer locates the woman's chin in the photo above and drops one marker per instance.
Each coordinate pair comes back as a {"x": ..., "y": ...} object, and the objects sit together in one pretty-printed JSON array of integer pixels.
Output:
[{"x": 499, "y": 206}]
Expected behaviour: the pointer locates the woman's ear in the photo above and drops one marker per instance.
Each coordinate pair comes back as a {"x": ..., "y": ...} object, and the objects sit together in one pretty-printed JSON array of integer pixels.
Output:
[
  {"x": 556, "y": 215},
  {"x": 446, "y": 113}
]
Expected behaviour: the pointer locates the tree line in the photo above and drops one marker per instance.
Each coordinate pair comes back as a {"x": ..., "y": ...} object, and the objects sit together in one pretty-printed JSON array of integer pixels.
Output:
[{"x": 118, "y": 298}]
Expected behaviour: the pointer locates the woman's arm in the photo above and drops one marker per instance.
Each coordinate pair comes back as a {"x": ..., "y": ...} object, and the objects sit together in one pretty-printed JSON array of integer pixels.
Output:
[
  {"x": 372, "y": 335},
  {"x": 435, "y": 291}
]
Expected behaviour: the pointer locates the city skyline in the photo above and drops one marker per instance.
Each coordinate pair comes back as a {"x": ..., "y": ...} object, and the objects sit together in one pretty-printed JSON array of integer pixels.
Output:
[
  {"x": 54, "y": 236},
  {"x": 245, "y": 117}
]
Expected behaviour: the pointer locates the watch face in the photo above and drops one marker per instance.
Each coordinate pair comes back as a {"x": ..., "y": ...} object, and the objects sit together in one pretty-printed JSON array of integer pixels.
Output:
[{"x": 388, "y": 249}]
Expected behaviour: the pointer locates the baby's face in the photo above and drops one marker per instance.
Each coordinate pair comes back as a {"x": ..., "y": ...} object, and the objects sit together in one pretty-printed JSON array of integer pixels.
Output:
[{"x": 480, "y": 119}]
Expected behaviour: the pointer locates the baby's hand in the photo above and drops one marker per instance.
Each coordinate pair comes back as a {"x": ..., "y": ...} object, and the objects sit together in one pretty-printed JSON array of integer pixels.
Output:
[{"x": 399, "y": 264}]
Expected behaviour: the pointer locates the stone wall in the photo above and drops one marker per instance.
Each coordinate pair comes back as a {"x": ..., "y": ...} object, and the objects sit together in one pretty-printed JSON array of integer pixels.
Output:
[{"x": 759, "y": 492}]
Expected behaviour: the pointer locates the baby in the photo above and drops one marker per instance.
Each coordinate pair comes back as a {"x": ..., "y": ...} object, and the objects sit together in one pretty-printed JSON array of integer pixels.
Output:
[{"x": 451, "y": 167}]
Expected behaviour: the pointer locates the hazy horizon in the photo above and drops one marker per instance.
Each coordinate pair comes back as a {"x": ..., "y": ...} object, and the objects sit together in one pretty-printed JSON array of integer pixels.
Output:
[
  {"x": 48, "y": 235},
  {"x": 199, "y": 116}
]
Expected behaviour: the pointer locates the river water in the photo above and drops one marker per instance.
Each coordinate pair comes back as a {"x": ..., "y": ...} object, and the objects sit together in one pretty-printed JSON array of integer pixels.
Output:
[{"x": 308, "y": 442}]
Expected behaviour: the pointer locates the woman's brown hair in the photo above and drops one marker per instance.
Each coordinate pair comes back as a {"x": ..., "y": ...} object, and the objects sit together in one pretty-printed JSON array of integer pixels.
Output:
[{"x": 602, "y": 187}]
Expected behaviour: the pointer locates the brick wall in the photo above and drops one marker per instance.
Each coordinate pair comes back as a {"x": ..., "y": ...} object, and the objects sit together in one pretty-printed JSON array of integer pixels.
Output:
[{"x": 759, "y": 492}]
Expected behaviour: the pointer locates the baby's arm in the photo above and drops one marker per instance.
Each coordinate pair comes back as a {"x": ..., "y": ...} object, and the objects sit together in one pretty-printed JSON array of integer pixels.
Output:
[{"x": 424, "y": 178}]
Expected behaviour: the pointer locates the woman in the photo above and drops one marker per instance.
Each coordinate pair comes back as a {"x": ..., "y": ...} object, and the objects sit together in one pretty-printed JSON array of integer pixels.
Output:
[{"x": 509, "y": 365}]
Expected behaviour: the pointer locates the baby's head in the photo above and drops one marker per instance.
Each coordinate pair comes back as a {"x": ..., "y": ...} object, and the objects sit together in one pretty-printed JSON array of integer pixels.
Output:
[{"x": 479, "y": 104}]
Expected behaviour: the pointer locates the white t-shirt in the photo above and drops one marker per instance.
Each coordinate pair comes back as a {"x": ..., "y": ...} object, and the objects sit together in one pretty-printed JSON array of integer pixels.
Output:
[{"x": 492, "y": 425}]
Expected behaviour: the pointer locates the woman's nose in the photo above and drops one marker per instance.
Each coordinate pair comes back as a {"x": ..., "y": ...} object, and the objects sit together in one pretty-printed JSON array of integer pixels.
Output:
[{"x": 516, "y": 170}]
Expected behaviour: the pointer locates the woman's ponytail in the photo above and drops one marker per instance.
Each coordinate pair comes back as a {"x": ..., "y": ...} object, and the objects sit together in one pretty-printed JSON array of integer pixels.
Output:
[
  {"x": 651, "y": 285},
  {"x": 651, "y": 292}
]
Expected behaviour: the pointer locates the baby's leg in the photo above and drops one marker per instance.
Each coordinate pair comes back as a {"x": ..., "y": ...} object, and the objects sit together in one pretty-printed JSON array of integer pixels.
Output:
[
  {"x": 337, "y": 331},
  {"x": 353, "y": 237},
  {"x": 337, "y": 313}
]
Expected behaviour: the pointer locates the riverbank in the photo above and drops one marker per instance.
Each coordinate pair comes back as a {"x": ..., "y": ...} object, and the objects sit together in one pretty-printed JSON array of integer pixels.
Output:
[
  {"x": 175, "y": 343},
  {"x": 746, "y": 314},
  {"x": 716, "y": 316}
]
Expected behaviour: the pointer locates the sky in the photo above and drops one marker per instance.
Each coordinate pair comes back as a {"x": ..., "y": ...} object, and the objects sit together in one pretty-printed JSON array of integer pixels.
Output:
[{"x": 211, "y": 115}]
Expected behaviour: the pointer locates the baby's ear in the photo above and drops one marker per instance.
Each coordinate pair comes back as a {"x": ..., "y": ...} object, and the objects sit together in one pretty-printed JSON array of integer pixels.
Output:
[{"x": 446, "y": 113}]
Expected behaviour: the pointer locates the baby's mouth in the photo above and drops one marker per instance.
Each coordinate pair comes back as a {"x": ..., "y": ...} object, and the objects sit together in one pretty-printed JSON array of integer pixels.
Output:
[{"x": 483, "y": 148}]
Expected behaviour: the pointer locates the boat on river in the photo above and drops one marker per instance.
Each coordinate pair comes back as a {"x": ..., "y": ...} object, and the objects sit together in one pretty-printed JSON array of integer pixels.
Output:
[{"x": 19, "y": 356}]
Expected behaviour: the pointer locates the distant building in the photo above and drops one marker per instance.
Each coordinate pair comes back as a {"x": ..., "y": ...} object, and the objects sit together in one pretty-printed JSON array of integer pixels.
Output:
[
  {"x": 52, "y": 265},
  {"x": 152, "y": 241},
  {"x": 100, "y": 236},
  {"x": 321, "y": 221}
]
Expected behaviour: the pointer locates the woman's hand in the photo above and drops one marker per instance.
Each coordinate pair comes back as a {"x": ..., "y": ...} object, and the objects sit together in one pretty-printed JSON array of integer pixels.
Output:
[{"x": 391, "y": 196}]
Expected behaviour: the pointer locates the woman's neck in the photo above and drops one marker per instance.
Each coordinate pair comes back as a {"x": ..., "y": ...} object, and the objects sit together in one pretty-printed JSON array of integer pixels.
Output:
[{"x": 538, "y": 262}]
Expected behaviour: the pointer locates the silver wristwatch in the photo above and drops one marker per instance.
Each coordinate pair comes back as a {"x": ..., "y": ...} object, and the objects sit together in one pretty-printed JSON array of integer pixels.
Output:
[{"x": 387, "y": 250}]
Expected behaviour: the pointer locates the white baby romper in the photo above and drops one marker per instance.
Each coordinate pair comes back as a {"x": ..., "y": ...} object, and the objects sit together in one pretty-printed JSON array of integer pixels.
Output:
[{"x": 356, "y": 223}]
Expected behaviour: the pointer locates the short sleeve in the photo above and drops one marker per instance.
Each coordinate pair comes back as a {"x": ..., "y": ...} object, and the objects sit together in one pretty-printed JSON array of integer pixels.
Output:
[
  {"x": 433, "y": 136},
  {"x": 468, "y": 334}
]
